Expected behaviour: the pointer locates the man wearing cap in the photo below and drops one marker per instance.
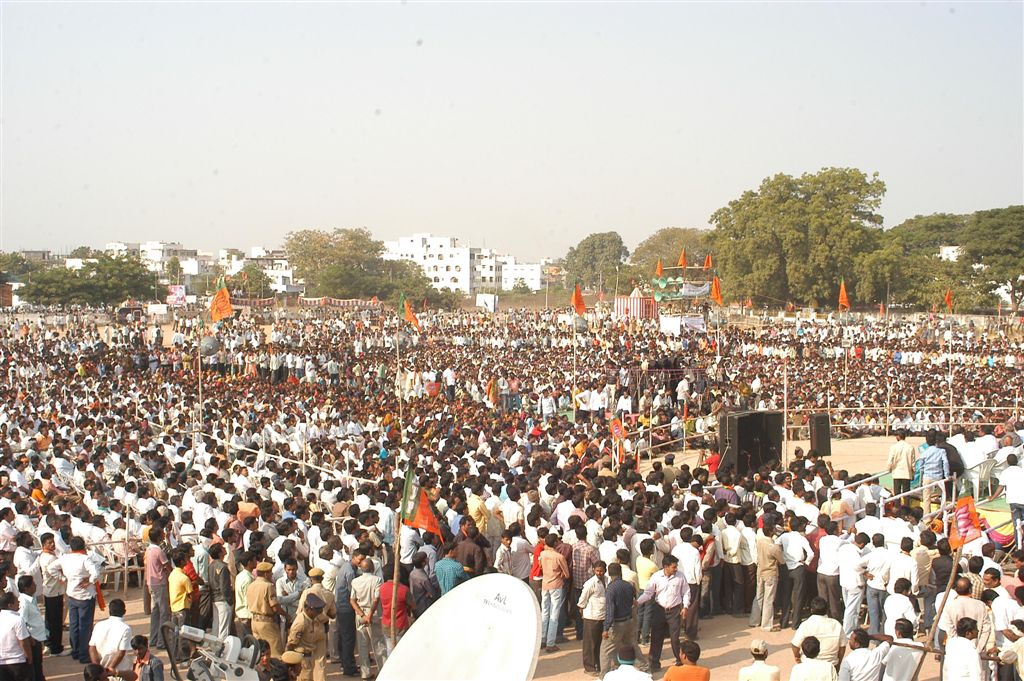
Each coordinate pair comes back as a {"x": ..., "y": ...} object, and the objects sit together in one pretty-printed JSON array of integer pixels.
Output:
[
  {"x": 308, "y": 635},
  {"x": 316, "y": 577},
  {"x": 759, "y": 670},
  {"x": 264, "y": 609},
  {"x": 292, "y": 660}
]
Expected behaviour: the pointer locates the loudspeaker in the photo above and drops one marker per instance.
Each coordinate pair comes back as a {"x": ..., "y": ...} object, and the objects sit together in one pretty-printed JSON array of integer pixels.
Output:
[
  {"x": 821, "y": 434},
  {"x": 748, "y": 439}
]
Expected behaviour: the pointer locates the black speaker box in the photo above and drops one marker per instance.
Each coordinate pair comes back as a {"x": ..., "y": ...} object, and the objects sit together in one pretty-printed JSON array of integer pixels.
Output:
[
  {"x": 748, "y": 439},
  {"x": 821, "y": 434}
]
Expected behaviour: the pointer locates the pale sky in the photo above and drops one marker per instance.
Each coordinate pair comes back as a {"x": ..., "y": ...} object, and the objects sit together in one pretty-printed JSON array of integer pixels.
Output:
[{"x": 522, "y": 127}]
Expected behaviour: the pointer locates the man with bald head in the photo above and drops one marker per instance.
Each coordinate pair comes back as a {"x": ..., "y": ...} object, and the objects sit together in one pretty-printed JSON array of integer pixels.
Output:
[{"x": 962, "y": 605}]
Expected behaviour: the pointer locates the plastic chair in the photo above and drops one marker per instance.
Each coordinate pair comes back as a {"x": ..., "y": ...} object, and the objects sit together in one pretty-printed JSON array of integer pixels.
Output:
[{"x": 974, "y": 476}]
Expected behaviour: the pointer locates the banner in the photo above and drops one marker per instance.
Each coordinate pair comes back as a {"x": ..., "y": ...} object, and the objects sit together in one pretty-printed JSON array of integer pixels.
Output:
[
  {"x": 252, "y": 302},
  {"x": 175, "y": 295},
  {"x": 338, "y": 302},
  {"x": 688, "y": 290}
]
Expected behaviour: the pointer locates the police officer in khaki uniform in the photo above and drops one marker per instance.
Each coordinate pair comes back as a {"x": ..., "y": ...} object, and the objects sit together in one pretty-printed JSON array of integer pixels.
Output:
[
  {"x": 265, "y": 609},
  {"x": 316, "y": 577},
  {"x": 308, "y": 635}
]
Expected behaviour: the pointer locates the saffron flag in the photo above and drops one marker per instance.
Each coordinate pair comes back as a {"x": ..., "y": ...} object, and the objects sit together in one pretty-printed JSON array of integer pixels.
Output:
[
  {"x": 220, "y": 304},
  {"x": 416, "y": 509},
  {"x": 749, "y": 303},
  {"x": 881, "y": 309},
  {"x": 577, "y": 299},
  {"x": 844, "y": 300},
  {"x": 966, "y": 526},
  {"x": 658, "y": 271},
  {"x": 682, "y": 259},
  {"x": 716, "y": 290},
  {"x": 948, "y": 298},
  {"x": 406, "y": 310},
  {"x": 708, "y": 263}
]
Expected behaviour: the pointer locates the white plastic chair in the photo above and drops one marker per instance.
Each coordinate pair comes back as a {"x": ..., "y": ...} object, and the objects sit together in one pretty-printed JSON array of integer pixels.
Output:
[{"x": 975, "y": 475}]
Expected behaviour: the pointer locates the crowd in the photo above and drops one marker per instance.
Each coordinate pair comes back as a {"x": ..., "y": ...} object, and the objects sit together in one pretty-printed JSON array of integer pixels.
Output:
[{"x": 268, "y": 507}]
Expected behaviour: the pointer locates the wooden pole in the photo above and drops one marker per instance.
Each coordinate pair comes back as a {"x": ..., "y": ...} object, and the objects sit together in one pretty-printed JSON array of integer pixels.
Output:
[
  {"x": 394, "y": 576},
  {"x": 785, "y": 411},
  {"x": 942, "y": 606}
]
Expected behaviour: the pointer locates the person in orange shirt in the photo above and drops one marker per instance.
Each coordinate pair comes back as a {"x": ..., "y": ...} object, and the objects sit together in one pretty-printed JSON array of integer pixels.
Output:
[{"x": 688, "y": 670}]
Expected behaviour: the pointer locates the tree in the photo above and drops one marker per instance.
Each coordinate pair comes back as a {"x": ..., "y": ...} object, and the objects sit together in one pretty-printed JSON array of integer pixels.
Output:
[
  {"x": 521, "y": 287},
  {"x": 14, "y": 266},
  {"x": 666, "y": 245},
  {"x": 252, "y": 281},
  {"x": 311, "y": 252},
  {"x": 795, "y": 238},
  {"x": 595, "y": 258},
  {"x": 993, "y": 247},
  {"x": 926, "y": 234},
  {"x": 172, "y": 269},
  {"x": 83, "y": 252},
  {"x": 107, "y": 281}
]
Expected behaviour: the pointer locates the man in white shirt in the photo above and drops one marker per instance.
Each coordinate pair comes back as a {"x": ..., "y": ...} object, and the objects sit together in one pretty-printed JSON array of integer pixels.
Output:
[
  {"x": 111, "y": 640},
  {"x": 903, "y": 566},
  {"x": 962, "y": 661},
  {"x": 670, "y": 594},
  {"x": 1011, "y": 481},
  {"x": 759, "y": 670},
  {"x": 863, "y": 663},
  {"x": 828, "y": 570},
  {"x": 28, "y": 608},
  {"x": 797, "y": 553},
  {"x": 876, "y": 569},
  {"x": 851, "y": 579},
  {"x": 901, "y": 662},
  {"x": 898, "y": 606},
  {"x": 15, "y": 640},
  {"x": 79, "y": 575},
  {"x": 829, "y": 632}
]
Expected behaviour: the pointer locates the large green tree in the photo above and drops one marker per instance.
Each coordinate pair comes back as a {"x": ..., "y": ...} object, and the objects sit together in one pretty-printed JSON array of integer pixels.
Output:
[
  {"x": 312, "y": 252},
  {"x": 926, "y": 234},
  {"x": 993, "y": 248},
  {"x": 666, "y": 244},
  {"x": 594, "y": 259},
  {"x": 106, "y": 281},
  {"x": 252, "y": 281},
  {"x": 795, "y": 238},
  {"x": 14, "y": 266}
]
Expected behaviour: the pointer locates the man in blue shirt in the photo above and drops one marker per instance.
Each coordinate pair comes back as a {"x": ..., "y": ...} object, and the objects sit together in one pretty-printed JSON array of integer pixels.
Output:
[
  {"x": 346, "y": 615},
  {"x": 619, "y": 623},
  {"x": 934, "y": 466}
]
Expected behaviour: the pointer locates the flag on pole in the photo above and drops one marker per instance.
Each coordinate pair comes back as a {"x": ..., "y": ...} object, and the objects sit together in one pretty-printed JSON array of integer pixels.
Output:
[
  {"x": 577, "y": 299},
  {"x": 424, "y": 305},
  {"x": 708, "y": 263},
  {"x": 749, "y": 303},
  {"x": 716, "y": 291},
  {"x": 844, "y": 300},
  {"x": 966, "y": 525},
  {"x": 416, "y": 509},
  {"x": 405, "y": 309},
  {"x": 220, "y": 304},
  {"x": 881, "y": 309},
  {"x": 658, "y": 271},
  {"x": 682, "y": 259},
  {"x": 948, "y": 298}
]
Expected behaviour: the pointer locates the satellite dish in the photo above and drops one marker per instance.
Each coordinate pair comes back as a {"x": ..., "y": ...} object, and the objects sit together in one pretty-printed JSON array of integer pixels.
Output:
[
  {"x": 505, "y": 635},
  {"x": 209, "y": 346},
  {"x": 662, "y": 282},
  {"x": 658, "y": 295}
]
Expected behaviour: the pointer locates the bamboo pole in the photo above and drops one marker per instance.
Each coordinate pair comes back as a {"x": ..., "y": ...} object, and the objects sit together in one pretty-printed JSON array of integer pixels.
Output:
[{"x": 942, "y": 606}]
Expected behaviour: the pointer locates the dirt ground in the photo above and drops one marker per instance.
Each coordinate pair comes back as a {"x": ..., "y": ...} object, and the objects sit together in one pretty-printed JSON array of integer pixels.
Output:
[{"x": 724, "y": 640}]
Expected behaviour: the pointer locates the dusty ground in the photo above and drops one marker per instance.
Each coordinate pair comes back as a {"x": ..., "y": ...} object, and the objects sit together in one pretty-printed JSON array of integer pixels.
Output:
[{"x": 725, "y": 640}]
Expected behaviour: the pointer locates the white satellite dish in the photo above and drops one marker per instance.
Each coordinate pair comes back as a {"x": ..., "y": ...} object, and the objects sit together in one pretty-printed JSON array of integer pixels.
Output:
[{"x": 504, "y": 634}]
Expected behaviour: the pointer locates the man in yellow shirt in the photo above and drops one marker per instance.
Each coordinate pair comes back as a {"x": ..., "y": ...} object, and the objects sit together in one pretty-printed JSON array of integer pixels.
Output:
[
  {"x": 179, "y": 590},
  {"x": 645, "y": 567}
]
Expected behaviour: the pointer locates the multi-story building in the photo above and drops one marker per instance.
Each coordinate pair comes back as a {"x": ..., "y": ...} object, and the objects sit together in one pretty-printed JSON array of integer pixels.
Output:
[
  {"x": 466, "y": 269},
  {"x": 444, "y": 261}
]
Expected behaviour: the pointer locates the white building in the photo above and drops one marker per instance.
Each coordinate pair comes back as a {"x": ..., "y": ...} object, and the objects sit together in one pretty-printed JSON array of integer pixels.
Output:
[
  {"x": 444, "y": 261},
  {"x": 512, "y": 271},
  {"x": 466, "y": 269}
]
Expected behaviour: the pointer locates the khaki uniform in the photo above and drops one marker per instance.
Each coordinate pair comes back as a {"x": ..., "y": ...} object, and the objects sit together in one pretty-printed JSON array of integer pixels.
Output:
[
  {"x": 330, "y": 608},
  {"x": 309, "y": 637},
  {"x": 262, "y": 604}
]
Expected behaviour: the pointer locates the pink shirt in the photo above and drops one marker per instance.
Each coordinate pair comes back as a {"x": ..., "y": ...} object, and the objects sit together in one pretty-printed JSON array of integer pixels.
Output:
[{"x": 157, "y": 566}]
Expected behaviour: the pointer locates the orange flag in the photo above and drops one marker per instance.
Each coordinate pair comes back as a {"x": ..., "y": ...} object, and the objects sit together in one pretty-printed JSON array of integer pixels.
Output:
[
  {"x": 708, "y": 263},
  {"x": 716, "y": 291},
  {"x": 409, "y": 316},
  {"x": 844, "y": 300},
  {"x": 658, "y": 271},
  {"x": 682, "y": 259},
  {"x": 749, "y": 303},
  {"x": 949, "y": 299},
  {"x": 577, "y": 299},
  {"x": 220, "y": 304},
  {"x": 881, "y": 309}
]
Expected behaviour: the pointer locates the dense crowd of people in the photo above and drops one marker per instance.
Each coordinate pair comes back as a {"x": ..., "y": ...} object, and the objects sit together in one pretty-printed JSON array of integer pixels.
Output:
[{"x": 268, "y": 508}]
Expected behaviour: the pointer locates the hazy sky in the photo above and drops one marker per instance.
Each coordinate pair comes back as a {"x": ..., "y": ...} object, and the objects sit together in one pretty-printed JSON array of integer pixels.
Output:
[{"x": 520, "y": 126}]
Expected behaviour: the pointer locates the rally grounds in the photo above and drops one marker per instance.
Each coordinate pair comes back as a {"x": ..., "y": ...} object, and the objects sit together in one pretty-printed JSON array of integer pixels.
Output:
[{"x": 724, "y": 640}]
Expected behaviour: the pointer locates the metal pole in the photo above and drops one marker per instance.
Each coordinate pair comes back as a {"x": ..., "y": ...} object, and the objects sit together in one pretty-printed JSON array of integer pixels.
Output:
[
  {"x": 888, "y": 400},
  {"x": 785, "y": 412}
]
